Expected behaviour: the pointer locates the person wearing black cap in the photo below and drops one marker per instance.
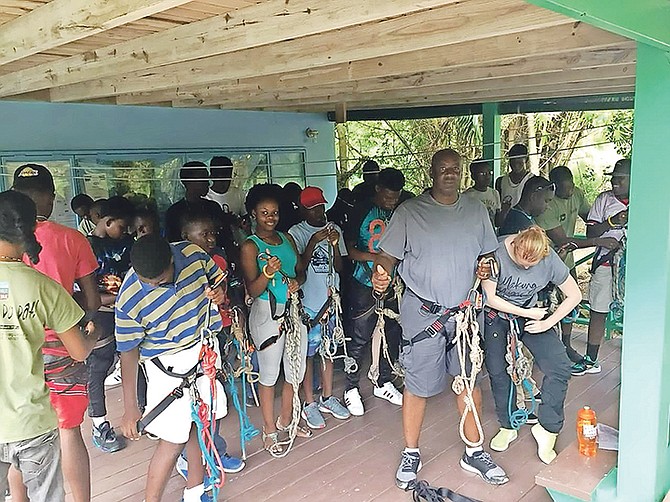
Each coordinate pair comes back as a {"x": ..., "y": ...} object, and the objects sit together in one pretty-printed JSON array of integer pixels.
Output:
[
  {"x": 230, "y": 199},
  {"x": 511, "y": 185},
  {"x": 608, "y": 218},
  {"x": 366, "y": 189},
  {"x": 67, "y": 258},
  {"x": 536, "y": 195}
]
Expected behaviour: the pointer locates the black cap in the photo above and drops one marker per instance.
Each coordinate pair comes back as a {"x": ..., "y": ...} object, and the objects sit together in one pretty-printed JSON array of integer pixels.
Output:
[
  {"x": 621, "y": 168},
  {"x": 33, "y": 177},
  {"x": 194, "y": 170},
  {"x": 517, "y": 151}
]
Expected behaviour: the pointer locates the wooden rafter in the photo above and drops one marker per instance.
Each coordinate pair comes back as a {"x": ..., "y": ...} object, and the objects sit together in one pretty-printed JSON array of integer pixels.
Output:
[
  {"x": 257, "y": 25},
  {"x": 439, "y": 27},
  {"x": 62, "y": 21}
]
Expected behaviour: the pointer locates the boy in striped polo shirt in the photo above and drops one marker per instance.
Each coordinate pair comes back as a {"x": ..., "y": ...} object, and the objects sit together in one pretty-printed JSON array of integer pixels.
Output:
[{"x": 161, "y": 309}]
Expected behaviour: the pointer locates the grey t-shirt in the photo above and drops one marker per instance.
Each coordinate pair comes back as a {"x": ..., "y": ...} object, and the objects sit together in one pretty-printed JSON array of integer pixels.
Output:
[
  {"x": 438, "y": 246},
  {"x": 520, "y": 286}
]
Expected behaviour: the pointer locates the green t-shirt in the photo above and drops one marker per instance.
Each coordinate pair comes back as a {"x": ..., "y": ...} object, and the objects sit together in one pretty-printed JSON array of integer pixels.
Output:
[
  {"x": 563, "y": 213},
  {"x": 29, "y": 300}
]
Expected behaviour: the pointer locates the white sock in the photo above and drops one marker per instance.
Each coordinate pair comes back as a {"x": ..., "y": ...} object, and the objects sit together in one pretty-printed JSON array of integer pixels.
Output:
[
  {"x": 98, "y": 421},
  {"x": 194, "y": 494},
  {"x": 411, "y": 450},
  {"x": 471, "y": 451}
]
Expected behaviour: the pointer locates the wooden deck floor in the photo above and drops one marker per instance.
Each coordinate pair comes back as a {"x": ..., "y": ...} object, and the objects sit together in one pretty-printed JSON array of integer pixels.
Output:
[{"x": 356, "y": 459}]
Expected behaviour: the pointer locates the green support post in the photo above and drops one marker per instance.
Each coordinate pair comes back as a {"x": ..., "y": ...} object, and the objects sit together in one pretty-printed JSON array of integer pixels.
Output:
[
  {"x": 491, "y": 136},
  {"x": 644, "y": 456}
]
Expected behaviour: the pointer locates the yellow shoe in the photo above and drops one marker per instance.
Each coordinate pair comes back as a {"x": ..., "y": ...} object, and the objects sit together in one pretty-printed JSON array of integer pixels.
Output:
[
  {"x": 503, "y": 439},
  {"x": 545, "y": 443}
]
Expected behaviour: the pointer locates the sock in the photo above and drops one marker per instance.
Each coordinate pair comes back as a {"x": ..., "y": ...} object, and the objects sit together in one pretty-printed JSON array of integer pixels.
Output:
[
  {"x": 592, "y": 351},
  {"x": 194, "y": 494},
  {"x": 471, "y": 451},
  {"x": 324, "y": 398},
  {"x": 98, "y": 421},
  {"x": 411, "y": 450}
]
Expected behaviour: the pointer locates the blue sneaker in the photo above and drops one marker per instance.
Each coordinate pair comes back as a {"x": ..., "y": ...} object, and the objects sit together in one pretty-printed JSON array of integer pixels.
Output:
[
  {"x": 106, "y": 439},
  {"x": 231, "y": 465}
]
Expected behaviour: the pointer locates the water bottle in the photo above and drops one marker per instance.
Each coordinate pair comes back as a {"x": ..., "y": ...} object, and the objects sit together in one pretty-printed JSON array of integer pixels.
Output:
[{"x": 587, "y": 432}]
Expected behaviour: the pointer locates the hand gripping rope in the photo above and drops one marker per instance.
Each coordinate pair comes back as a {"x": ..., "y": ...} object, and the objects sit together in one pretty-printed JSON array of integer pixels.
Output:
[
  {"x": 379, "y": 344},
  {"x": 618, "y": 283},
  {"x": 468, "y": 339},
  {"x": 330, "y": 342}
]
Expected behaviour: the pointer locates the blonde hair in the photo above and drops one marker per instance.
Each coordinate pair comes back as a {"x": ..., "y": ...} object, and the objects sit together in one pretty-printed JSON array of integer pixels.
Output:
[{"x": 531, "y": 244}]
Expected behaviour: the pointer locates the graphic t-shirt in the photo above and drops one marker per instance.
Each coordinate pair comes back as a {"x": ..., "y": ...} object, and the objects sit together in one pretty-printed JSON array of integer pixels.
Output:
[
  {"x": 113, "y": 257},
  {"x": 315, "y": 288},
  {"x": 231, "y": 202},
  {"x": 520, "y": 286},
  {"x": 605, "y": 206},
  {"x": 29, "y": 300},
  {"x": 510, "y": 193},
  {"x": 563, "y": 213},
  {"x": 86, "y": 226},
  {"x": 366, "y": 227},
  {"x": 490, "y": 198},
  {"x": 439, "y": 245}
]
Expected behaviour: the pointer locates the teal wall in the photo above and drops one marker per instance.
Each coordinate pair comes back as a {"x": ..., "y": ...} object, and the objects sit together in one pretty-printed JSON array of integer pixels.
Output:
[{"x": 33, "y": 128}]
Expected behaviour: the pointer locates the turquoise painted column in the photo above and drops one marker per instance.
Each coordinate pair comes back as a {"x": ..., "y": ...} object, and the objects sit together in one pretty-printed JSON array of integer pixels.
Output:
[
  {"x": 644, "y": 457},
  {"x": 491, "y": 136}
]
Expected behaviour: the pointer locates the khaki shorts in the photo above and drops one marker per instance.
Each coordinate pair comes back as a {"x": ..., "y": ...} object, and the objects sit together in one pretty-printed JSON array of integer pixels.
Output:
[{"x": 600, "y": 290}]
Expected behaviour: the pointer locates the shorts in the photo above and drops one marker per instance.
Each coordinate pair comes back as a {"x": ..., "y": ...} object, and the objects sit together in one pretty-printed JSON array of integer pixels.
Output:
[
  {"x": 314, "y": 335},
  {"x": 600, "y": 290},
  {"x": 262, "y": 327},
  {"x": 70, "y": 406},
  {"x": 174, "y": 424},
  {"x": 427, "y": 363}
]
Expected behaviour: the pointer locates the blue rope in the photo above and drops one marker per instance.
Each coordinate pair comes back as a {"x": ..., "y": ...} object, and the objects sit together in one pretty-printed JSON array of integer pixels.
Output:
[
  {"x": 247, "y": 429},
  {"x": 519, "y": 417},
  {"x": 212, "y": 474}
]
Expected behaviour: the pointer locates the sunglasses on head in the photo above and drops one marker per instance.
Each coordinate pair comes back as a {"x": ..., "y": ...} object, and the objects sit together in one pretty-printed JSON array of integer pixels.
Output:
[{"x": 551, "y": 186}]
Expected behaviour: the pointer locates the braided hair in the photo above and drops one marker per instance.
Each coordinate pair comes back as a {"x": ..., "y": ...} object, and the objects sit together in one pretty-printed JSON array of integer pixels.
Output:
[{"x": 18, "y": 218}]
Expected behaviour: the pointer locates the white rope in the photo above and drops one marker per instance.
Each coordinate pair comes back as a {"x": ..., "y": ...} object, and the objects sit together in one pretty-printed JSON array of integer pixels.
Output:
[{"x": 379, "y": 343}]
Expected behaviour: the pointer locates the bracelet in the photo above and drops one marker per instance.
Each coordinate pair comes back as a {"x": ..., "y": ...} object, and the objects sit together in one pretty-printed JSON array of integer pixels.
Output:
[
  {"x": 609, "y": 222},
  {"x": 265, "y": 272}
]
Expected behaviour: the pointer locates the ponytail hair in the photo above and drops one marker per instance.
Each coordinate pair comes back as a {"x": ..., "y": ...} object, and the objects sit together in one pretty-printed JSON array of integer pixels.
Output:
[
  {"x": 531, "y": 244},
  {"x": 18, "y": 218}
]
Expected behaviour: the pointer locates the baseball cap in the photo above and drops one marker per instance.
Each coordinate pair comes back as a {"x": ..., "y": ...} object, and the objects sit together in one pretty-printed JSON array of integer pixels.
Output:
[
  {"x": 310, "y": 197},
  {"x": 517, "y": 151},
  {"x": 621, "y": 168},
  {"x": 194, "y": 170},
  {"x": 33, "y": 177}
]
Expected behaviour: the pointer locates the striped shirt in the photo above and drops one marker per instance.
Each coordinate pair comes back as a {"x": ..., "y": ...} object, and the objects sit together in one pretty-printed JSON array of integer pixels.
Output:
[{"x": 168, "y": 318}]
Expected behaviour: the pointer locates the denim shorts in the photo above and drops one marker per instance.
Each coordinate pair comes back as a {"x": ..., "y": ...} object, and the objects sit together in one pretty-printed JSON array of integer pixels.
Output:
[{"x": 38, "y": 459}]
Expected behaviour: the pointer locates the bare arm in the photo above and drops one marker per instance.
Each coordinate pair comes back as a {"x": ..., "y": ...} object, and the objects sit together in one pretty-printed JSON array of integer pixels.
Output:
[
  {"x": 558, "y": 237},
  {"x": 572, "y": 298},
  {"x": 255, "y": 281},
  {"x": 300, "y": 274},
  {"x": 89, "y": 297},
  {"x": 356, "y": 254},
  {"x": 381, "y": 271},
  {"x": 129, "y": 364},
  {"x": 76, "y": 344}
]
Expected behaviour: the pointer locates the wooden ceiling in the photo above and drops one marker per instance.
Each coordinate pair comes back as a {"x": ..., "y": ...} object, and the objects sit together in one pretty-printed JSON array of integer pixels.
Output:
[{"x": 303, "y": 55}]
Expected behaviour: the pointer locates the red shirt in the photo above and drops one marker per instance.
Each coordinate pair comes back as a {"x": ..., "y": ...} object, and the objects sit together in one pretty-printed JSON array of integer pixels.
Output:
[{"x": 65, "y": 257}]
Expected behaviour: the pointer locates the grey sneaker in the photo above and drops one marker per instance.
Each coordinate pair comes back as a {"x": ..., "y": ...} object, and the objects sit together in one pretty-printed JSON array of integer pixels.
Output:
[
  {"x": 333, "y": 406},
  {"x": 314, "y": 419},
  {"x": 480, "y": 462},
  {"x": 106, "y": 439},
  {"x": 410, "y": 464}
]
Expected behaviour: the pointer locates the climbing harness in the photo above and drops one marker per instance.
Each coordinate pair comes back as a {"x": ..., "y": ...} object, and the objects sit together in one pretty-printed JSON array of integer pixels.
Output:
[
  {"x": 422, "y": 491},
  {"x": 203, "y": 414},
  {"x": 330, "y": 319},
  {"x": 379, "y": 343}
]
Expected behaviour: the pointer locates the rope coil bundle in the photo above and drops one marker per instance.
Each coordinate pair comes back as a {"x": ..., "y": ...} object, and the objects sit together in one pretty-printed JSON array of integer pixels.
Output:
[{"x": 379, "y": 343}]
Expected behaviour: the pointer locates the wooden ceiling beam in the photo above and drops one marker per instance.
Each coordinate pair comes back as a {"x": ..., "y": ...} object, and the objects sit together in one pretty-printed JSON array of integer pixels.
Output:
[
  {"x": 63, "y": 21},
  {"x": 593, "y": 64},
  {"x": 439, "y": 27},
  {"x": 622, "y": 74},
  {"x": 264, "y": 23}
]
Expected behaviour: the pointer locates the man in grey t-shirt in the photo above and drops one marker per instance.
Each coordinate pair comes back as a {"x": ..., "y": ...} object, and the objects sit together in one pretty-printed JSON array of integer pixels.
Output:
[{"x": 436, "y": 239}]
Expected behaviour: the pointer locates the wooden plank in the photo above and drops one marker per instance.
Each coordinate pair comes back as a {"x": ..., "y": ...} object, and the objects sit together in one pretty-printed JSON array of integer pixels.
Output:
[
  {"x": 61, "y": 21},
  {"x": 311, "y": 84},
  {"x": 265, "y": 23},
  {"x": 444, "y": 26}
]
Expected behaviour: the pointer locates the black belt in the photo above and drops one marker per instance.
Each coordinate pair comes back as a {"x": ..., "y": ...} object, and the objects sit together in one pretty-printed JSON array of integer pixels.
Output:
[{"x": 436, "y": 326}]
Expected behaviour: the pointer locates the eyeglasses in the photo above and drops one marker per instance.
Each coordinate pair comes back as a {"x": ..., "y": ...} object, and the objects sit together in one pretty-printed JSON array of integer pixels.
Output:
[{"x": 551, "y": 186}]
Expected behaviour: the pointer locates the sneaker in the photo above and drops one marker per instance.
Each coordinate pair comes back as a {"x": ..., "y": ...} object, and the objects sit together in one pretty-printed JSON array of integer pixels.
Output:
[
  {"x": 538, "y": 398},
  {"x": 106, "y": 439},
  {"x": 231, "y": 465},
  {"x": 586, "y": 365},
  {"x": 532, "y": 419},
  {"x": 182, "y": 467},
  {"x": 503, "y": 439},
  {"x": 353, "y": 402},
  {"x": 205, "y": 497},
  {"x": 481, "y": 463},
  {"x": 333, "y": 406},
  {"x": 410, "y": 464},
  {"x": 311, "y": 414},
  {"x": 114, "y": 378},
  {"x": 390, "y": 393}
]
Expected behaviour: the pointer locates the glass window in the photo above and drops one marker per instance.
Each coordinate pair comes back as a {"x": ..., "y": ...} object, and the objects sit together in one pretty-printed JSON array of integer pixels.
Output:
[{"x": 287, "y": 167}]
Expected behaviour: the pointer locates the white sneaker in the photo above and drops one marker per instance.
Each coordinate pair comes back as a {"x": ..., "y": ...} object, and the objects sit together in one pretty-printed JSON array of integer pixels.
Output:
[
  {"x": 353, "y": 402},
  {"x": 390, "y": 393},
  {"x": 114, "y": 378}
]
